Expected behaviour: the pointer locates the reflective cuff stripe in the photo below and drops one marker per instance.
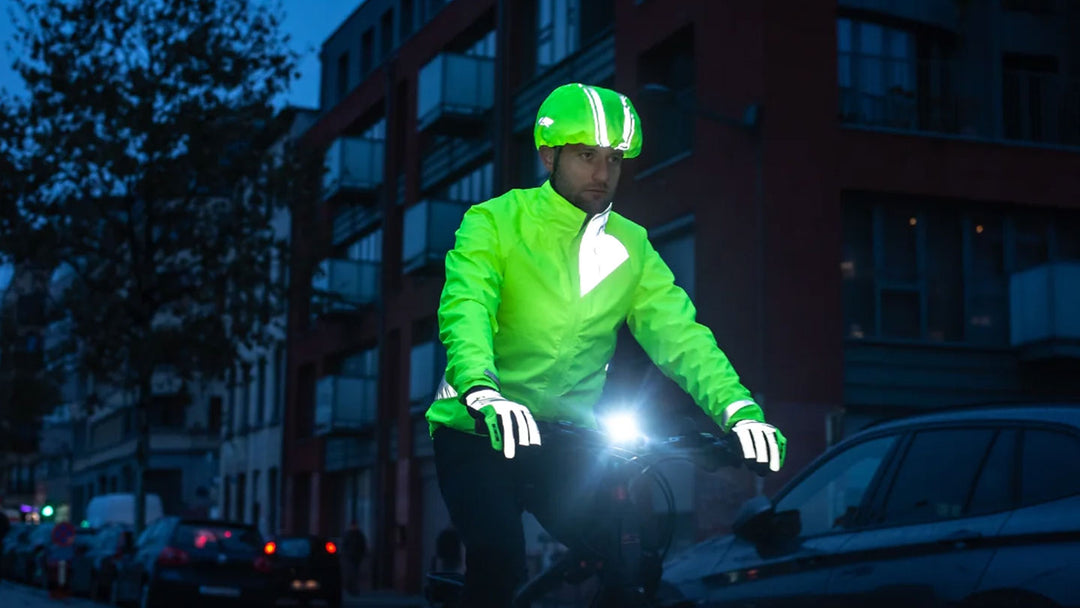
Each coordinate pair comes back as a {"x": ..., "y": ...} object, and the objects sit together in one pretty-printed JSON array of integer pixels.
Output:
[
  {"x": 731, "y": 409},
  {"x": 445, "y": 391}
]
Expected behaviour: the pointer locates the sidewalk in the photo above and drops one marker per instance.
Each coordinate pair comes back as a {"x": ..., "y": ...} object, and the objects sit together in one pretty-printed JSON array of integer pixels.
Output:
[{"x": 383, "y": 599}]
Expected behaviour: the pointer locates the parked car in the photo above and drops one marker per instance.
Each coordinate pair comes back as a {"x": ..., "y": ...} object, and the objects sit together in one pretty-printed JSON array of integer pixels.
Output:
[
  {"x": 976, "y": 507},
  {"x": 186, "y": 561},
  {"x": 28, "y": 554},
  {"x": 94, "y": 567},
  {"x": 18, "y": 535},
  {"x": 119, "y": 508},
  {"x": 307, "y": 569}
]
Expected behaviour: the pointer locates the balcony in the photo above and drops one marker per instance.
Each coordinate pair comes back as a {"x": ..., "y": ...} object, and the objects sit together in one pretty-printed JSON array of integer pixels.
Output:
[
  {"x": 344, "y": 404},
  {"x": 1045, "y": 309},
  {"x": 354, "y": 169},
  {"x": 450, "y": 156},
  {"x": 344, "y": 285},
  {"x": 351, "y": 221},
  {"x": 455, "y": 92},
  {"x": 429, "y": 228},
  {"x": 946, "y": 97}
]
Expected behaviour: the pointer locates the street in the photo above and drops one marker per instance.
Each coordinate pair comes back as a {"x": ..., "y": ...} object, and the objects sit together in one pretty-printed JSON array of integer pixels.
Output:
[{"x": 13, "y": 595}]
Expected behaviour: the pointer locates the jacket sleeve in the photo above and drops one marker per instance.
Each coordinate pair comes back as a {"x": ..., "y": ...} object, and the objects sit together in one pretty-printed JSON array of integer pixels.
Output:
[
  {"x": 470, "y": 301},
  {"x": 663, "y": 320}
]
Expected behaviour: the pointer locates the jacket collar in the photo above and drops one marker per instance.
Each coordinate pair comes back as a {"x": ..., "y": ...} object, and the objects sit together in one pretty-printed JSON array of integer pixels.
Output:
[{"x": 561, "y": 215}]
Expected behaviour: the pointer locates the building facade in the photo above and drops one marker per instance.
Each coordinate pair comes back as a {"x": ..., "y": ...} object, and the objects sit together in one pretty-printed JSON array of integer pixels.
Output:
[
  {"x": 249, "y": 488},
  {"x": 873, "y": 204}
]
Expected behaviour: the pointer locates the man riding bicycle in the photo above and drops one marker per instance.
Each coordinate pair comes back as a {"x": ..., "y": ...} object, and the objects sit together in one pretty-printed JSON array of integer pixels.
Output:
[{"x": 537, "y": 286}]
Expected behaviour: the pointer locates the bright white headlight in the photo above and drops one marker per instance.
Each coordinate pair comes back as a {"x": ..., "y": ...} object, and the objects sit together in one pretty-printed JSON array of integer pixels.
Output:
[{"x": 622, "y": 427}]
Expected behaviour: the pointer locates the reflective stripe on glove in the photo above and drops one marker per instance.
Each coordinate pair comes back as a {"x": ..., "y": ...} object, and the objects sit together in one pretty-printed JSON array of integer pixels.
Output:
[
  {"x": 761, "y": 443},
  {"x": 508, "y": 424}
]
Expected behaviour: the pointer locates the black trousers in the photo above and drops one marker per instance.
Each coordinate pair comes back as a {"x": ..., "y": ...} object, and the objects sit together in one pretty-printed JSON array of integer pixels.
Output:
[{"x": 486, "y": 495}]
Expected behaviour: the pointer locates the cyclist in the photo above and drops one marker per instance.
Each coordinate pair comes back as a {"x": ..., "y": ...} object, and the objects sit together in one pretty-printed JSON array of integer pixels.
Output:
[{"x": 537, "y": 285}]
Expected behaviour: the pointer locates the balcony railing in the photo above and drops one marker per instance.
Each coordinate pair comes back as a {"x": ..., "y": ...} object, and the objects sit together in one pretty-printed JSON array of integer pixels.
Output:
[
  {"x": 344, "y": 404},
  {"x": 352, "y": 220},
  {"x": 345, "y": 285},
  {"x": 937, "y": 96},
  {"x": 429, "y": 232},
  {"x": 449, "y": 156},
  {"x": 354, "y": 165},
  {"x": 454, "y": 90},
  {"x": 1045, "y": 309}
]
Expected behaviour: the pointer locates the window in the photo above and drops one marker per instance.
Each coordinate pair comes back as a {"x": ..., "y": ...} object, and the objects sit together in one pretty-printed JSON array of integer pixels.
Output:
[
  {"x": 213, "y": 423},
  {"x": 230, "y": 395},
  {"x": 255, "y": 498},
  {"x": 926, "y": 490},
  {"x": 272, "y": 498},
  {"x": 279, "y": 383},
  {"x": 876, "y": 69},
  {"x": 342, "y": 76},
  {"x": 1031, "y": 97},
  {"x": 386, "y": 33},
  {"x": 939, "y": 272},
  {"x": 668, "y": 112},
  {"x": 367, "y": 52},
  {"x": 241, "y": 498},
  {"x": 993, "y": 490},
  {"x": 829, "y": 499},
  {"x": 556, "y": 32},
  {"x": 245, "y": 398},
  {"x": 1050, "y": 466},
  {"x": 260, "y": 392},
  {"x": 368, "y": 248},
  {"x": 405, "y": 19},
  {"x": 475, "y": 187}
]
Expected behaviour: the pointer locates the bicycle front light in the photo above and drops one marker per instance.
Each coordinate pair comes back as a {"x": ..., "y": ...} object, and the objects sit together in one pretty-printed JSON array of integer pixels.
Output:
[{"x": 622, "y": 428}]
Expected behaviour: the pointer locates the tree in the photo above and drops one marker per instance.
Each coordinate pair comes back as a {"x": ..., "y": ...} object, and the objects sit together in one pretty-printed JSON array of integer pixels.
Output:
[{"x": 145, "y": 138}]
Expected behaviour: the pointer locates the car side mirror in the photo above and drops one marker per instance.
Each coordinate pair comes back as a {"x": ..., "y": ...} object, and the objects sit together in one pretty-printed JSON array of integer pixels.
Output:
[{"x": 758, "y": 522}]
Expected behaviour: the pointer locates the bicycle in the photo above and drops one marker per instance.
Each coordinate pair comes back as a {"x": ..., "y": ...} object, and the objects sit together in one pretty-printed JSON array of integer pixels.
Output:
[{"x": 627, "y": 571}]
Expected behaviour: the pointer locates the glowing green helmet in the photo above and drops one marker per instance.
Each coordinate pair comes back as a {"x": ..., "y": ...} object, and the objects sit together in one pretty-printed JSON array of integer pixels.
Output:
[{"x": 582, "y": 114}]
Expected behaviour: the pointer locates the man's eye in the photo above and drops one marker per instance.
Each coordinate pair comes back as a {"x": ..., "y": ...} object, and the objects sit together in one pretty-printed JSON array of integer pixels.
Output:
[{"x": 586, "y": 155}]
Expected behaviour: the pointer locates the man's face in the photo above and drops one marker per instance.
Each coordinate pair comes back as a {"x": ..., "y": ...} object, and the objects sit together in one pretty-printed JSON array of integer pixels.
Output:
[{"x": 584, "y": 175}]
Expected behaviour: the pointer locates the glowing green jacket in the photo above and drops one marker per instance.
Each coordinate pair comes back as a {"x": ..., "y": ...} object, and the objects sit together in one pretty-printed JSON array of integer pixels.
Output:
[{"x": 534, "y": 297}]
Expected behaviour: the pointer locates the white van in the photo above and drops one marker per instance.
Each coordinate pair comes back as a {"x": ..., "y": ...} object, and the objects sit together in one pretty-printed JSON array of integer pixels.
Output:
[{"x": 120, "y": 509}]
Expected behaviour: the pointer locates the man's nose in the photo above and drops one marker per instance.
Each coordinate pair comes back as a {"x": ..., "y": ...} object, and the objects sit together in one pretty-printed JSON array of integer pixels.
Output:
[{"x": 600, "y": 171}]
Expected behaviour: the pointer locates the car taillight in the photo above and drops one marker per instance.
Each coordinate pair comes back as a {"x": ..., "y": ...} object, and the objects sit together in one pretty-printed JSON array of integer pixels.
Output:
[
  {"x": 171, "y": 556},
  {"x": 270, "y": 548},
  {"x": 262, "y": 564},
  {"x": 331, "y": 548}
]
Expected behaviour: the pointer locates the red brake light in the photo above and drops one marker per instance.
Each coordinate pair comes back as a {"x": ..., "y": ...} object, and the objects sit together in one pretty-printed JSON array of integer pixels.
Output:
[
  {"x": 331, "y": 548},
  {"x": 171, "y": 556},
  {"x": 270, "y": 548}
]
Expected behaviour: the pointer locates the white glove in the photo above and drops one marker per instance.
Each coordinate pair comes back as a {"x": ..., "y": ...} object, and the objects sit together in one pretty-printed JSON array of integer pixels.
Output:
[
  {"x": 761, "y": 443},
  {"x": 509, "y": 424}
]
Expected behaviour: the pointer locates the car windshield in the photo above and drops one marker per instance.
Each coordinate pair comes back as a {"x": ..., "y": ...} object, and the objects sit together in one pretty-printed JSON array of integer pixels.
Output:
[
  {"x": 294, "y": 547},
  {"x": 223, "y": 538}
]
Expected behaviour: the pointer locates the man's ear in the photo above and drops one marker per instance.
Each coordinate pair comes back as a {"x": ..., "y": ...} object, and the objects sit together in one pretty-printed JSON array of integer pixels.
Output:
[{"x": 547, "y": 156}]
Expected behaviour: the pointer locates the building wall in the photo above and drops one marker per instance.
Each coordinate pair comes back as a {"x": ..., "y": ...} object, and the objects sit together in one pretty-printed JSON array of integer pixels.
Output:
[{"x": 764, "y": 197}]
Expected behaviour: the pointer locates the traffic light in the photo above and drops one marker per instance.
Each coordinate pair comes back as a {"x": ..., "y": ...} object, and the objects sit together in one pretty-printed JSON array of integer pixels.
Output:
[{"x": 47, "y": 511}]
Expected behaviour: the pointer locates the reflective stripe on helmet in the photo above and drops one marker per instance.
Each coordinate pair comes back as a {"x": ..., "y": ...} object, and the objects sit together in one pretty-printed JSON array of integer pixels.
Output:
[
  {"x": 599, "y": 117},
  {"x": 627, "y": 125}
]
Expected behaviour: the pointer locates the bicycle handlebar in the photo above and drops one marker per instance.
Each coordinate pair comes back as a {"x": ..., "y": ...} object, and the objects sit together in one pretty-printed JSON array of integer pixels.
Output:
[{"x": 706, "y": 450}]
